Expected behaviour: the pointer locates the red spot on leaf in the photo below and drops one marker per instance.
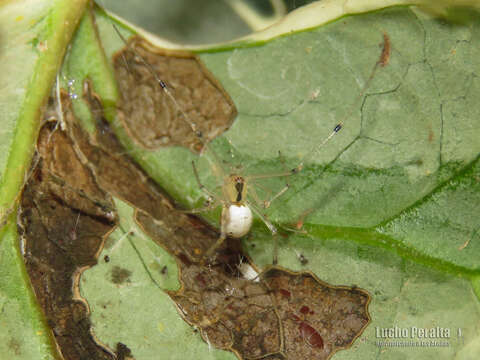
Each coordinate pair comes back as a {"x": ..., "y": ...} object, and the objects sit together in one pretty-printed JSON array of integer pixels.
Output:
[
  {"x": 310, "y": 335},
  {"x": 285, "y": 293},
  {"x": 304, "y": 310}
]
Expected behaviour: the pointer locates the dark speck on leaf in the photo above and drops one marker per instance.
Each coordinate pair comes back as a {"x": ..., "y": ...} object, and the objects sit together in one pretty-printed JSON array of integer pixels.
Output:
[{"x": 120, "y": 275}]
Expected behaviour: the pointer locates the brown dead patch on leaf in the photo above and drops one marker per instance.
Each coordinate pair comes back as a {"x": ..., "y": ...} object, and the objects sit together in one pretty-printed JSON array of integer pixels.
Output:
[
  {"x": 317, "y": 319},
  {"x": 64, "y": 218},
  {"x": 149, "y": 116},
  {"x": 231, "y": 312}
]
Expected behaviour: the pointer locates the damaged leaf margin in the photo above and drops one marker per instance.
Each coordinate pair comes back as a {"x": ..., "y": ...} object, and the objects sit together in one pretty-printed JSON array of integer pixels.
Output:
[{"x": 307, "y": 17}]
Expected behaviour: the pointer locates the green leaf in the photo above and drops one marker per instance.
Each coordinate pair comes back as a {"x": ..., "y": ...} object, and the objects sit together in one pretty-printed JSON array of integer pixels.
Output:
[
  {"x": 34, "y": 38},
  {"x": 395, "y": 190}
]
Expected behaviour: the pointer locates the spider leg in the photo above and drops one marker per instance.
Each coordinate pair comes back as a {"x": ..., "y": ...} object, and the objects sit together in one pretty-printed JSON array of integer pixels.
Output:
[
  {"x": 270, "y": 227},
  {"x": 223, "y": 234}
]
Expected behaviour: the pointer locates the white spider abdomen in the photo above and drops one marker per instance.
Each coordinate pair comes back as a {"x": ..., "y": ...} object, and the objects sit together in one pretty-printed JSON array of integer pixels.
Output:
[{"x": 238, "y": 220}]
